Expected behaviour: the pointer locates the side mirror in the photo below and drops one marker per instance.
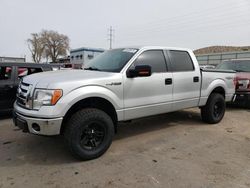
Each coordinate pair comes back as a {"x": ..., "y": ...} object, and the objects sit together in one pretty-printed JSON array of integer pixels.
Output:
[{"x": 139, "y": 71}]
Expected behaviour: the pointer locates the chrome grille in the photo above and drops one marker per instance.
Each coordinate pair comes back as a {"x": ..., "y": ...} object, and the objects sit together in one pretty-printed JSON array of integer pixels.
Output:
[
  {"x": 23, "y": 94},
  {"x": 243, "y": 84}
]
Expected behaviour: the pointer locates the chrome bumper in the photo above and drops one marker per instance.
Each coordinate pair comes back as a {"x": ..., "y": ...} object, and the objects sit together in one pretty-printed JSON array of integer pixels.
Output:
[{"x": 39, "y": 126}]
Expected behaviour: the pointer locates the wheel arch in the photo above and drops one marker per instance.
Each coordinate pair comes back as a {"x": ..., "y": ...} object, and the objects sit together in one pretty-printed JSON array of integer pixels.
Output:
[
  {"x": 91, "y": 102},
  {"x": 217, "y": 86},
  {"x": 220, "y": 90}
]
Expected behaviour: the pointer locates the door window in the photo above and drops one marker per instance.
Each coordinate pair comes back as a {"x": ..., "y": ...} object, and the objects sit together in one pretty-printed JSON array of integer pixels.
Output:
[
  {"x": 154, "y": 58},
  {"x": 5, "y": 73},
  {"x": 181, "y": 61}
]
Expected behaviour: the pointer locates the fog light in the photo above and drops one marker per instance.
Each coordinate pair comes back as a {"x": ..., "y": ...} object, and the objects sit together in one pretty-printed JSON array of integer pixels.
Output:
[{"x": 36, "y": 127}]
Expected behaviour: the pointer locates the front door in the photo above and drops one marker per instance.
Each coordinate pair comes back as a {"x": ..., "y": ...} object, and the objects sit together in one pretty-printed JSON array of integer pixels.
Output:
[{"x": 144, "y": 96}]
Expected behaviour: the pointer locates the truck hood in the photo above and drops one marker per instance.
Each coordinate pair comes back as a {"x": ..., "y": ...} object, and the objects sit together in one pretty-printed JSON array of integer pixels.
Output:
[{"x": 70, "y": 79}]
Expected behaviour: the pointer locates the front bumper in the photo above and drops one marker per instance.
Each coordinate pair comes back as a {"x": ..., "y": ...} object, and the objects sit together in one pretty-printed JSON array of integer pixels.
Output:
[
  {"x": 242, "y": 98},
  {"x": 39, "y": 126},
  {"x": 243, "y": 95}
]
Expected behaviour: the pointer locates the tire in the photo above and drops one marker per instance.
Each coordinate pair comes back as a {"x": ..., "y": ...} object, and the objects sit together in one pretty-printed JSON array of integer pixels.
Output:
[
  {"x": 89, "y": 133},
  {"x": 214, "y": 110},
  {"x": 248, "y": 104}
]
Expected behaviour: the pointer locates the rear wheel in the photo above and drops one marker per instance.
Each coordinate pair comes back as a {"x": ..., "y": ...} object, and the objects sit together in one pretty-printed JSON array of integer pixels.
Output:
[
  {"x": 89, "y": 133},
  {"x": 214, "y": 110},
  {"x": 248, "y": 101}
]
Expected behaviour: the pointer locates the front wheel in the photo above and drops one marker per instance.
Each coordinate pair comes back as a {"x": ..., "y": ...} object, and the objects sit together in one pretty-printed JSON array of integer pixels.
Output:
[
  {"x": 89, "y": 133},
  {"x": 214, "y": 110}
]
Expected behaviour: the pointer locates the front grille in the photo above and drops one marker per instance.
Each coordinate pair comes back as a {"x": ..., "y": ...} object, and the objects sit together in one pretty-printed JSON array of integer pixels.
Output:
[
  {"x": 23, "y": 94},
  {"x": 242, "y": 84}
]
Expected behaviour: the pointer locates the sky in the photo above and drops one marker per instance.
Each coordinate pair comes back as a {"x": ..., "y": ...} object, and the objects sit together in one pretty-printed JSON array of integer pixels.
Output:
[{"x": 191, "y": 24}]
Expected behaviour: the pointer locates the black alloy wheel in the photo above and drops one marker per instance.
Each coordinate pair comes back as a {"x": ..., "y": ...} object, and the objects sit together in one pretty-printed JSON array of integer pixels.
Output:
[{"x": 89, "y": 133}]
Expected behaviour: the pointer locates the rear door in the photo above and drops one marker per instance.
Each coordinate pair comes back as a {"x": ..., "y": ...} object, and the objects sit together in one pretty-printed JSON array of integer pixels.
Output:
[
  {"x": 7, "y": 89},
  {"x": 144, "y": 96},
  {"x": 186, "y": 80}
]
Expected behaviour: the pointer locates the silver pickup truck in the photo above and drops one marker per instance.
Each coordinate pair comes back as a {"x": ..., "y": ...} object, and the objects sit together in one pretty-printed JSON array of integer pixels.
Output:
[{"x": 122, "y": 84}]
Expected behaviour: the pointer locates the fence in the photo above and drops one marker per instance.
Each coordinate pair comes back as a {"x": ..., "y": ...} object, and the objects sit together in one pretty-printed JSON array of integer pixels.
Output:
[{"x": 216, "y": 58}]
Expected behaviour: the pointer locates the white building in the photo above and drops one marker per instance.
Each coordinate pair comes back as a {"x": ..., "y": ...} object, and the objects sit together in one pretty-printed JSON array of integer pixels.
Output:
[{"x": 83, "y": 55}]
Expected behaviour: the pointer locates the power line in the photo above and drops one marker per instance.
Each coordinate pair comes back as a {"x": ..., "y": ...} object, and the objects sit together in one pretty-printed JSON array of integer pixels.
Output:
[
  {"x": 217, "y": 19},
  {"x": 200, "y": 21},
  {"x": 227, "y": 9},
  {"x": 229, "y": 27},
  {"x": 188, "y": 25}
]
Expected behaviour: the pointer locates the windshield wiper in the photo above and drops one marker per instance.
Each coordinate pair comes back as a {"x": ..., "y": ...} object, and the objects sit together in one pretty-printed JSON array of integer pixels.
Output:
[{"x": 92, "y": 68}]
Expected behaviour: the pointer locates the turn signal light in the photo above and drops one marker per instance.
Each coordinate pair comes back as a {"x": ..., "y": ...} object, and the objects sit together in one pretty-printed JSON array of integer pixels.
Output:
[{"x": 56, "y": 96}]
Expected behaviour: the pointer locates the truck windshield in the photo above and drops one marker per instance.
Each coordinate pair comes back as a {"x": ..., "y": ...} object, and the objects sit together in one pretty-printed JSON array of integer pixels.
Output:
[
  {"x": 238, "y": 66},
  {"x": 111, "y": 60}
]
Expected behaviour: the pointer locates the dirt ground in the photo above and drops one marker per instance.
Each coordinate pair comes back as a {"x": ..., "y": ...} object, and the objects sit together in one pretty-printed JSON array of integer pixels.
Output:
[{"x": 170, "y": 150}]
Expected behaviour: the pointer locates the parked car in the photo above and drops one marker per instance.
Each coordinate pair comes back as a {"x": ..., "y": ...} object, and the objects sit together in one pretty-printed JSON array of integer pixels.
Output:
[
  {"x": 10, "y": 76},
  {"x": 119, "y": 85},
  {"x": 242, "y": 68}
]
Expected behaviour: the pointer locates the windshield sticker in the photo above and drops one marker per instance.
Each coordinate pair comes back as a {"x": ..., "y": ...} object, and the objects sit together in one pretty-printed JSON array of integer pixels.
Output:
[{"x": 130, "y": 50}]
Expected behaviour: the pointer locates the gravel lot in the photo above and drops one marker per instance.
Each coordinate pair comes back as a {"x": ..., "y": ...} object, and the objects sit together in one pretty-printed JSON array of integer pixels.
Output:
[{"x": 170, "y": 150}]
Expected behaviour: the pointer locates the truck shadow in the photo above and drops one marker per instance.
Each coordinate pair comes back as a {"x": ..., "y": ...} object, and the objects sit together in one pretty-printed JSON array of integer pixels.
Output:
[
  {"x": 158, "y": 122},
  {"x": 24, "y": 149}
]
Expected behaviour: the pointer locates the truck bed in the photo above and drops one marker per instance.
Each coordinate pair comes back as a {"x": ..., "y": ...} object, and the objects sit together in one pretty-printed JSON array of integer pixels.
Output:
[{"x": 222, "y": 78}]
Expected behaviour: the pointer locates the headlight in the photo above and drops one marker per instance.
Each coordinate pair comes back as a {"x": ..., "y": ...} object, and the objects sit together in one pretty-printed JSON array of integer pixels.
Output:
[{"x": 44, "y": 97}]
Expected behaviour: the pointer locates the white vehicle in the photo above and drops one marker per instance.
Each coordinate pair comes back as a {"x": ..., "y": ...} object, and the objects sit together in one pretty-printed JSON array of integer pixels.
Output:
[{"x": 121, "y": 84}]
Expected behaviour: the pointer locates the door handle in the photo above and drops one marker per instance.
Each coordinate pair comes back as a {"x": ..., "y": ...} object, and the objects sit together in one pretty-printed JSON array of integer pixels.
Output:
[
  {"x": 196, "y": 79},
  {"x": 168, "y": 81}
]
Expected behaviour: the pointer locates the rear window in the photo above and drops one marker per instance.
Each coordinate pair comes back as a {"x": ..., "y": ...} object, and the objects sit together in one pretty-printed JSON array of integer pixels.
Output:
[
  {"x": 24, "y": 71},
  {"x": 238, "y": 66},
  {"x": 181, "y": 61},
  {"x": 5, "y": 73}
]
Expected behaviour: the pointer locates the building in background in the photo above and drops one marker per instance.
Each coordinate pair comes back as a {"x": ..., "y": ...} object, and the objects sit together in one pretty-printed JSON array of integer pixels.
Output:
[
  {"x": 12, "y": 59},
  {"x": 214, "y": 55},
  {"x": 83, "y": 55}
]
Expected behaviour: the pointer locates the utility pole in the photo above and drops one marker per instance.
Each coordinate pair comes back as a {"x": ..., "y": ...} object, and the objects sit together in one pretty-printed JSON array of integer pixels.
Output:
[{"x": 110, "y": 36}]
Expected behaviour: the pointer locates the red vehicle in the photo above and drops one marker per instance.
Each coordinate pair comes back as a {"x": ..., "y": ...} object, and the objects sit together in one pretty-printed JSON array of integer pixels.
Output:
[{"x": 242, "y": 67}]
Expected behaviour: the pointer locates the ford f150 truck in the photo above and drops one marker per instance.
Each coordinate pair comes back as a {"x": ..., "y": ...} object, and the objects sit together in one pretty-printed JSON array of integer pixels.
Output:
[
  {"x": 119, "y": 85},
  {"x": 242, "y": 80}
]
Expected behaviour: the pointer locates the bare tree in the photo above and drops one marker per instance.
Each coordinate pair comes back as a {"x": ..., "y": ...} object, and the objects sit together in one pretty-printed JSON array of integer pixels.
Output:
[
  {"x": 36, "y": 47},
  {"x": 55, "y": 44}
]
